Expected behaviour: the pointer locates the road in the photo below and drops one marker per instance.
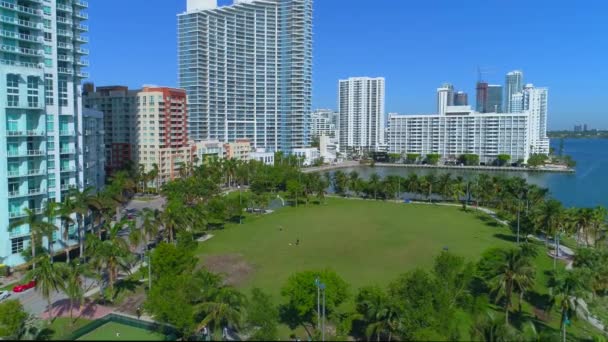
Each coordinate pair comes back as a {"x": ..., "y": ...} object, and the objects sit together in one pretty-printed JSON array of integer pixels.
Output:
[{"x": 32, "y": 300}]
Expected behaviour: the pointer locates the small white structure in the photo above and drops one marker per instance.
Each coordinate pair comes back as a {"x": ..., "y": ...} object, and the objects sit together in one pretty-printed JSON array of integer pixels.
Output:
[
  {"x": 262, "y": 156},
  {"x": 310, "y": 155}
]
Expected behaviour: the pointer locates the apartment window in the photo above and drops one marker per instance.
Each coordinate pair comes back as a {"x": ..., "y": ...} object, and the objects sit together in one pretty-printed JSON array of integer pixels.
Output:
[
  {"x": 48, "y": 37},
  {"x": 32, "y": 91},
  {"x": 63, "y": 92},
  {"x": 48, "y": 90},
  {"x": 17, "y": 245},
  {"x": 12, "y": 90}
]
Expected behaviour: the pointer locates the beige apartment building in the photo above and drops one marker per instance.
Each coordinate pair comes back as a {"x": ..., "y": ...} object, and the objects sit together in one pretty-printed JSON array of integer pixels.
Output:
[
  {"x": 148, "y": 126},
  {"x": 239, "y": 150}
]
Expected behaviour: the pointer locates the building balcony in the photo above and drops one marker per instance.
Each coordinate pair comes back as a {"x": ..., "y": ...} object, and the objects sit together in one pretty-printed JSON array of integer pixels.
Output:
[
  {"x": 20, "y": 214},
  {"x": 82, "y": 51},
  {"x": 81, "y": 15},
  {"x": 82, "y": 28},
  {"x": 30, "y": 192},
  {"x": 20, "y": 22},
  {"x": 65, "y": 46},
  {"x": 21, "y": 154},
  {"x": 82, "y": 63},
  {"x": 81, "y": 3},
  {"x": 21, "y": 9},
  {"x": 65, "y": 58},
  {"x": 64, "y": 8},
  {"x": 67, "y": 187},
  {"x": 66, "y": 133},
  {"x": 64, "y": 20},
  {"x": 82, "y": 74},
  {"x": 21, "y": 51},
  {"x": 67, "y": 151},
  {"x": 82, "y": 39},
  {"x": 17, "y": 134},
  {"x": 19, "y": 36},
  {"x": 68, "y": 169},
  {"x": 65, "y": 71},
  {"x": 64, "y": 33}
]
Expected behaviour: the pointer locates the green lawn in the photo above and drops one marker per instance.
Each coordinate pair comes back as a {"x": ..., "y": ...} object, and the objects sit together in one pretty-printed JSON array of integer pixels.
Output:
[
  {"x": 366, "y": 242},
  {"x": 113, "y": 331},
  {"x": 61, "y": 327}
]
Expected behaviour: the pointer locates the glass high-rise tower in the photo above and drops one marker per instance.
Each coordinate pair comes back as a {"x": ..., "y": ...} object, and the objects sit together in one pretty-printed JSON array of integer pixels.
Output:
[
  {"x": 41, "y": 144},
  {"x": 247, "y": 70},
  {"x": 514, "y": 84}
]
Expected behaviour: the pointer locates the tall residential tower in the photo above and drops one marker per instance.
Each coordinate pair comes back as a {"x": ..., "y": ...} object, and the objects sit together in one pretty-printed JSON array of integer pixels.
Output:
[
  {"x": 514, "y": 84},
  {"x": 361, "y": 107},
  {"x": 41, "y": 126},
  {"x": 247, "y": 70}
]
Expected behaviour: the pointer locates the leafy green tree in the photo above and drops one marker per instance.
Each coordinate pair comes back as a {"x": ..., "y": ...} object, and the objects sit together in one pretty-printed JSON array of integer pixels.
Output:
[
  {"x": 262, "y": 316},
  {"x": 170, "y": 260},
  {"x": 412, "y": 158},
  {"x": 549, "y": 218},
  {"x": 567, "y": 287},
  {"x": 503, "y": 159},
  {"x": 169, "y": 301},
  {"x": 469, "y": 159},
  {"x": 83, "y": 200},
  {"x": 341, "y": 182},
  {"x": 73, "y": 276},
  {"x": 300, "y": 292},
  {"x": 381, "y": 317},
  {"x": 536, "y": 160},
  {"x": 432, "y": 159},
  {"x": 12, "y": 320}
]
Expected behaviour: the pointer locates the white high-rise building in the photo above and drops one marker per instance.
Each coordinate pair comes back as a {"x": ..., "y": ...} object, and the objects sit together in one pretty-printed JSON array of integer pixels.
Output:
[
  {"x": 323, "y": 123},
  {"x": 514, "y": 84},
  {"x": 41, "y": 125},
  {"x": 535, "y": 103},
  {"x": 486, "y": 135},
  {"x": 247, "y": 70},
  {"x": 361, "y": 108},
  {"x": 460, "y": 130},
  {"x": 443, "y": 97}
]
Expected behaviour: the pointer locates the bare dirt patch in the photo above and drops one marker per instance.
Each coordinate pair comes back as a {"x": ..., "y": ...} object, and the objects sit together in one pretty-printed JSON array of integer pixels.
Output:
[{"x": 233, "y": 267}]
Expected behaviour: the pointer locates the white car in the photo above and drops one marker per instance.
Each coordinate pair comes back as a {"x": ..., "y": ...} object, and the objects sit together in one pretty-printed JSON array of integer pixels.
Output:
[{"x": 4, "y": 295}]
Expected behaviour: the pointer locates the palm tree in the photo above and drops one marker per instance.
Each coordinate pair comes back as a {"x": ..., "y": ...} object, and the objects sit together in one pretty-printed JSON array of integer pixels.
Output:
[
  {"x": 110, "y": 255},
  {"x": 48, "y": 279},
  {"x": 50, "y": 212},
  {"x": 381, "y": 315},
  {"x": 549, "y": 218},
  {"x": 514, "y": 272},
  {"x": 567, "y": 287},
  {"x": 427, "y": 183},
  {"x": 374, "y": 184},
  {"x": 37, "y": 228},
  {"x": 599, "y": 222},
  {"x": 65, "y": 211},
  {"x": 153, "y": 175},
  {"x": 412, "y": 183},
  {"x": 151, "y": 220},
  {"x": 444, "y": 184},
  {"x": 225, "y": 308},
  {"x": 73, "y": 275},
  {"x": 83, "y": 201}
]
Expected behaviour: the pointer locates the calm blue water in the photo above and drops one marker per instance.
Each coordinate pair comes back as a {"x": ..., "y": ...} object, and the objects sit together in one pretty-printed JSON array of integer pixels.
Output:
[{"x": 588, "y": 187}]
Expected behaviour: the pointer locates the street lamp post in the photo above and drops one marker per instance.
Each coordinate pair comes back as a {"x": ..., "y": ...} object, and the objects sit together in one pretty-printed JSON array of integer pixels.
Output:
[
  {"x": 240, "y": 206},
  {"x": 323, "y": 318},
  {"x": 317, "y": 283}
]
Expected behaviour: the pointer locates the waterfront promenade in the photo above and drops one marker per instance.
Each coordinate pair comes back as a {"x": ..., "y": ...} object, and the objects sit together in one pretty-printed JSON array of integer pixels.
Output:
[{"x": 350, "y": 164}]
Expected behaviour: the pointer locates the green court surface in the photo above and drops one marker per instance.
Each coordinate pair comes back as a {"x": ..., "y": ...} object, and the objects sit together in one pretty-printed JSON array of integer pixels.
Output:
[{"x": 113, "y": 331}]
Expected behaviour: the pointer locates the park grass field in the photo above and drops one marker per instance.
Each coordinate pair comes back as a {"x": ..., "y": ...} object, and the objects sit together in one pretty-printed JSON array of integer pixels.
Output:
[
  {"x": 113, "y": 331},
  {"x": 366, "y": 242}
]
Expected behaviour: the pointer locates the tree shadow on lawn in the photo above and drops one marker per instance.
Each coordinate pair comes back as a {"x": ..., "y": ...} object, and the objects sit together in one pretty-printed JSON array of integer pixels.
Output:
[
  {"x": 123, "y": 286},
  {"x": 489, "y": 221},
  {"x": 506, "y": 237}
]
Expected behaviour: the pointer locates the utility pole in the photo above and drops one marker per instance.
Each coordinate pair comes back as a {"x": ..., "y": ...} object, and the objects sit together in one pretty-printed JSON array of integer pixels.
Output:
[
  {"x": 323, "y": 319},
  {"x": 317, "y": 283}
]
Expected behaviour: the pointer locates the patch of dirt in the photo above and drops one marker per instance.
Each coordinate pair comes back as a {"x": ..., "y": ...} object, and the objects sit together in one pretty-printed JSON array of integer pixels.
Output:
[
  {"x": 232, "y": 267},
  {"x": 130, "y": 304}
]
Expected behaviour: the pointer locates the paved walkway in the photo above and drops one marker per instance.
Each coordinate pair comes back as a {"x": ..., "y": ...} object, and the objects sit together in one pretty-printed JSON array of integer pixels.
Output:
[{"x": 89, "y": 310}]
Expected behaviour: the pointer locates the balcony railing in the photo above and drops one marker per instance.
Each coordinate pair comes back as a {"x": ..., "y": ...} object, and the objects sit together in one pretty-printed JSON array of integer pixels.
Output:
[
  {"x": 67, "y": 151},
  {"x": 81, "y": 3},
  {"x": 30, "y": 153},
  {"x": 64, "y": 7},
  {"x": 66, "y": 133},
  {"x": 18, "y": 214},
  {"x": 21, "y": 50}
]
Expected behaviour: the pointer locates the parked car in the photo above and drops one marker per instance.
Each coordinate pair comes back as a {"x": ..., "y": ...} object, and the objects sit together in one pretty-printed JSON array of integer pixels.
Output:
[
  {"x": 4, "y": 295},
  {"x": 24, "y": 287}
]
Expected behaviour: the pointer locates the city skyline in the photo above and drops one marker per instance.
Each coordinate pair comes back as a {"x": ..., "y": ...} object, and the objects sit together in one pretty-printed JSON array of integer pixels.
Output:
[{"x": 343, "y": 49}]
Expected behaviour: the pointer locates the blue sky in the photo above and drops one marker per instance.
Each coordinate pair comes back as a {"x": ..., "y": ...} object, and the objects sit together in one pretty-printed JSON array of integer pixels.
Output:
[{"x": 415, "y": 45}]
